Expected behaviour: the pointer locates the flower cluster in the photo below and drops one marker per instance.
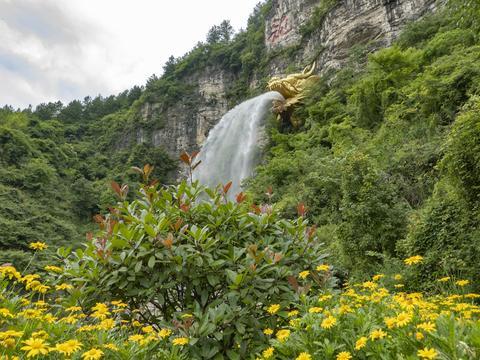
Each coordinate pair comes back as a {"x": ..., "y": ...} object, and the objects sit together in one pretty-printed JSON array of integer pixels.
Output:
[
  {"x": 93, "y": 333},
  {"x": 374, "y": 319}
]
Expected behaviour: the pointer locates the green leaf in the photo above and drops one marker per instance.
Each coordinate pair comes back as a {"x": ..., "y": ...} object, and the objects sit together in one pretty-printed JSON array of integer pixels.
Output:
[
  {"x": 151, "y": 262},
  {"x": 138, "y": 266}
]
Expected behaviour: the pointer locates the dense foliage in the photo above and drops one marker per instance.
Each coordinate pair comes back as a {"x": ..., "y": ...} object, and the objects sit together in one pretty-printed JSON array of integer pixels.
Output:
[
  {"x": 387, "y": 159},
  {"x": 177, "y": 258},
  {"x": 55, "y": 166}
]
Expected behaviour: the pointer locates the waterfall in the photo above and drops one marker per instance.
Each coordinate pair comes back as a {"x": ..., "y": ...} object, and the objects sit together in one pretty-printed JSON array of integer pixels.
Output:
[{"x": 231, "y": 150}]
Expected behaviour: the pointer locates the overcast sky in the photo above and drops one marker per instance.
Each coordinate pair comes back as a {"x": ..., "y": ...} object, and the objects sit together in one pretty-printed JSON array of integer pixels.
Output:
[{"x": 67, "y": 49}]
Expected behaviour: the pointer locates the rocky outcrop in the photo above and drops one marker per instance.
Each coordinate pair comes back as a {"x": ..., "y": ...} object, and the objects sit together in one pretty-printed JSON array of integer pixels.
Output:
[
  {"x": 185, "y": 123},
  {"x": 349, "y": 22}
]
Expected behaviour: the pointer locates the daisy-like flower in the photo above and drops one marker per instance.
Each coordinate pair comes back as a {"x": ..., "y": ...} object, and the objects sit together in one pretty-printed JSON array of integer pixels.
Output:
[
  {"x": 462, "y": 282},
  {"x": 323, "y": 267},
  {"x": 344, "y": 355},
  {"x": 39, "y": 246},
  {"x": 361, "y": 343},
  {"x": 427, "y": 353},
  {"x": 315, "y": 310},
  {"x": 304, "y": 274},
  {"x": 427, "y": 326},
  {"x": 180, "y": 341},
  {"x": 444, "y": 279},
  {"x": 268, "y": 331},
  {"x": 52, "y": 268},
  {"x": 377, "y": 334},
  {"x": 35, "y": 347},
  {"x": 64, "y": 287},
  {"x": 304, "y": 356},
  {"x": 268, "y": 353},
  {"x": 92, "y": 354},
  {"x": 272, "y": 309},
  {"x": 163, "y": 333},
  {"x": 111, "y": 346},
  {"x": 328, "y": 322},
  {"x": 412, "y": 260},
  {"x": 282, "y": 335},
  {"x": 68, "y": 347}
]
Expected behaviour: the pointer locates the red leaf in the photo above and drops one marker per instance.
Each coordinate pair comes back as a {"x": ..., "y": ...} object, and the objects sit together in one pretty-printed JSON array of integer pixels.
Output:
[
  {"x": 227, "y": 187},
  {"x": 241, "y": 197},
  {"x": 116, "y": 188},
  {"x": 256, "y": 209},
  {"x": 185, "y": 158},
  {"x": 194, "y": 155},
  {"x": 301, "y": 209}
]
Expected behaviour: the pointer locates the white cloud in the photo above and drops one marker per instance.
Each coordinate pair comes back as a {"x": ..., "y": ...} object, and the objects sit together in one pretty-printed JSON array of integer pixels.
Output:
[{"x": 68, "y": 49}]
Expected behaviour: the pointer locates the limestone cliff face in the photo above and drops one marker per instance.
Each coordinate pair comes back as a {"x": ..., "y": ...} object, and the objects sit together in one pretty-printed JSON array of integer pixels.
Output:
[
  {"x": 184, "y": 125},
  {"x": 348, "y": 23}
]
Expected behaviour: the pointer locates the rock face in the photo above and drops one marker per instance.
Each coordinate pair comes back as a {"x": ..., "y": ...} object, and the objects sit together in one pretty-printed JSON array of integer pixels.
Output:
[
  {"x": 184, "y": 125},
  {"x": 348, "y": 23}
]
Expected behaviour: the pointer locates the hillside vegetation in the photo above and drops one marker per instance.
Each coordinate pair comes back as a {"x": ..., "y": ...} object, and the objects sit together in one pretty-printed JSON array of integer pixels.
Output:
[{"x": 357, "y": 238}]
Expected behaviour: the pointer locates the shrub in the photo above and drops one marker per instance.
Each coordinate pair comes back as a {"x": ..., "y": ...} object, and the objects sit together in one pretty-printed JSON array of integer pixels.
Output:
[{"x": 184, "y": 255}]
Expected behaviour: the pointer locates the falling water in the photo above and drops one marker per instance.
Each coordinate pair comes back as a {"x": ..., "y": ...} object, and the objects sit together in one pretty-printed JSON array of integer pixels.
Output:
[{"x": 231, "y": 149}]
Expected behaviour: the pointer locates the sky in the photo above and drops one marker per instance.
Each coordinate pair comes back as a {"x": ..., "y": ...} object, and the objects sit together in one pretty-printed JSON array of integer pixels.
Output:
[{"x": 68, "y": 49}]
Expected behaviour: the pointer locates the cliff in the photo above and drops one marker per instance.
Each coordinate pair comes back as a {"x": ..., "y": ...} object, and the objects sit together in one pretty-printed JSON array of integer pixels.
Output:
[{"x": 295, "y": 32}]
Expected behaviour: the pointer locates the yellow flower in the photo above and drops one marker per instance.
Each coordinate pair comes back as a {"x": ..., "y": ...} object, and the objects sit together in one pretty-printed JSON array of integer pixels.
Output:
[
  {"x": 63, "y": 287},
  {"x": 462, "y": 282},
  {"x": 100, "y": 311},
  {"x": 427, "y": 353},
  {"x": 403, "y": 319},
  {"x": 361, "y": 343},
  {"x": 74, "y": 308},
  {"x": 136, "y": 338},
  {"x": 292, "y": 313},
  {"x": 68, "y": 347},
  {"x": 106, "y": 324},
  {"x": 282, "y": 335},
  {"x": 118, "y": 303},
  {"x": 304, "y": 356},
  {"x": 398, "y": 277},
  {"x": 344, "y": 355},
  {"x": 323, "y": 267},
  {"x": 369, "y": 285},
  {"x": 111, "y": 346},
  {"x": 147, "y": 329},
  {"x": 164, "y": 333},
  {"x": 378, "y": 277},
  {"x": 272, "y": 309},
  {"x": 268, "y": 331},
  {"x": 6, "y": 313},
  {"x": 52, "y": 268},
  {"x": 35, "y": 347},
  {"x": 268, "y": 353},
  {"x": 42, "y": 334},
  {"x": 419, "y": 336},
  {"x": 324, "y": 297},
  {"x": 344, "y": 309},
  {"x": 328, "y": 322},
  {"x": 413, "y": 260},
  {"x": 304, "y": 274},
  {"x": 180, "y": 341},
  {"x": 314, "y": 310},
  {"x": 92, "y": 354},
  {"x": 427, "y": 326},
  {"x": 444, "y": 279},
  {"x": 38, "y": 246},
  {"x": 377, "y": 334}
]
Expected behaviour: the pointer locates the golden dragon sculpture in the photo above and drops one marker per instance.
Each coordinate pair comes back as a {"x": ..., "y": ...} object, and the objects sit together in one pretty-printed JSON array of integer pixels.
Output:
[{"x": 292, "y": 87}]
